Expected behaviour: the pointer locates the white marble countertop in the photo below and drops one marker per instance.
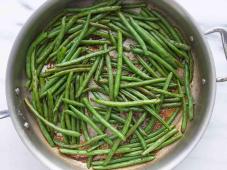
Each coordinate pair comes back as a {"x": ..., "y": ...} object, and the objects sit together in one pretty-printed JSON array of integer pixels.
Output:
[{"x": 210, "y": 153}]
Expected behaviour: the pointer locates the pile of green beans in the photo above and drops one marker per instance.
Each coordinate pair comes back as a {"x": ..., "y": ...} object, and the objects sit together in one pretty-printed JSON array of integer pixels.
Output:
[{"x": 110, "y": 80}]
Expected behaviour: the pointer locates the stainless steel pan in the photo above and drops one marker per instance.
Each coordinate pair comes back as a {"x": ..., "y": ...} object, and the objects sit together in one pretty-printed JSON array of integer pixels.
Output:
[{"x": 203, "y": 86}]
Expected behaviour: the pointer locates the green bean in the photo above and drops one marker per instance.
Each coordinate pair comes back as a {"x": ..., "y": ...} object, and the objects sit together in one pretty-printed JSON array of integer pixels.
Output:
[
  {"x": 89, "y": 161},
  {"x": 81, "y": 36},
  {"x": 138, "y": 94},
  {"x": 45, "y": 53},
  {"x": 157, "y": 143},
  {"x": 167, "y": 25},
  {"x": 101, "y": 34},
  {"x": 168, "y": 58},
  {"x": 149, "y": 125},
  {"x": 146, "y": 92},
  {"x": 174, "y": 48},
  {"x": 145, "y": 26},
  {"x": 115, "y": 27},
  {"x": 117, "y": 141},
  {"x": 89, "y": 142},
  {"x": 119, "y": 160},
  {"x": 67, "y": 96},
  {"x": 63, "y": 125},
  {"x": 61, "y": 34},
  {"x": 72, "y": 102},
  {"x": 112, "y": 39},
  {"x": 149, "y": 139},
  {"x": 45, "y": 110},
  {"x": 110, "y": 75},
  {"x": 188, "y": 91},
  {"x": 156, "y": 36},
  {"x": 74, "y": 70},
  {"x": 88, "y": 77},
  {"x": 56, "y": 107},
  {"x": 122, "y": 26},
  {"x": 142, "y": 83},
  {"x": 49, "y": 83},
  {"x": 147, "y": 67},
  {"x": 94, "y": 42},
  {"x": 102, "y": 120},
  {"x": 57, "y": 69},
  {"x": 113, "y": 18},
  {"x": 133, "y": 5},
  {"x": 163, "y": 92},
  {"x": 103, "y": 4},
  {"x": 99, "y": 69},
  {"x": 170, "y": 141},
  {"x": 128, "y": 78},
  {"x": 78, "y": 121},
  {"x": 93, "y": 11},
  {"x": 184, "y": 112},
  {"x": 119, "y": 64},
  {"x": 127, "y": 104},
  {"x": 61, "y": 54},
  {"x": 141, "y": 18},
  {"x": 134, "y": 154},
  {"x": 158, "y": 67},
  {"x": 133, "y": 32},
  {"x": 60, "y": 89},
  {"x": 151, "y": 24},
  {"x": 35, "y": 84},
  {"x": 46, "y": 133},
  {"x": 50, "y": 100},
  {"x": 171, "y": 105},
  {"x": 176, "y": 99},
  {"x": 85, "y": 57},
  {"x": 158, "y": 59},
  {"x": 191, "y": 65},
  {"x": 85, "y": 131},
  {"x": 75, "y": 55},
  {"x": 95, "y": 24},
  {"x": 136, "y": 125},
  {"x": 180, "y": 45},
  {"x": 39, "y": 40},
  {"x": 135, "y": 69},
  {"x": 141, "y": 139},
  {"x": 134, "y": 109},
  {"x": 120, "y": 150},
  {"x": 85, "y": 118},
  {"x": 63, "y": 131},
  {"x": 96, "y": 152},
  {"x": 171, "y": 85},
  {"x": 166, "y": 86},
  {"x": 119, "y": 119},
  {"x": 126, "y": 163},
  {"x": 54, "y": 87},
  {"x": 148, "y": 109}
]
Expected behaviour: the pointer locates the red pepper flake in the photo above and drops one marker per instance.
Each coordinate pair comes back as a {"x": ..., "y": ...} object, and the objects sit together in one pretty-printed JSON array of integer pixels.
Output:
[
  {"x": 95, "y": 37},
  {"x": 82, "y": 158},
  {"x": 166, "y": 113},
  {"x": 94, "y": 48},
  {"x": 157, "y": 126}
]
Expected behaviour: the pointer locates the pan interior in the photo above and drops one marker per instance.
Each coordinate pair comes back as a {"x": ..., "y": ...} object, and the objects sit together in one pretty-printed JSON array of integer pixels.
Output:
[{"x": 167, "y": 158}]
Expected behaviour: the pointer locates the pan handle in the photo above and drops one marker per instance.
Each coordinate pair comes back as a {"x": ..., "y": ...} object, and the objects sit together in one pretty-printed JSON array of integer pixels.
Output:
[
  {"x": 4, "y": 114},
  {"x": 223, "y": 33}
]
